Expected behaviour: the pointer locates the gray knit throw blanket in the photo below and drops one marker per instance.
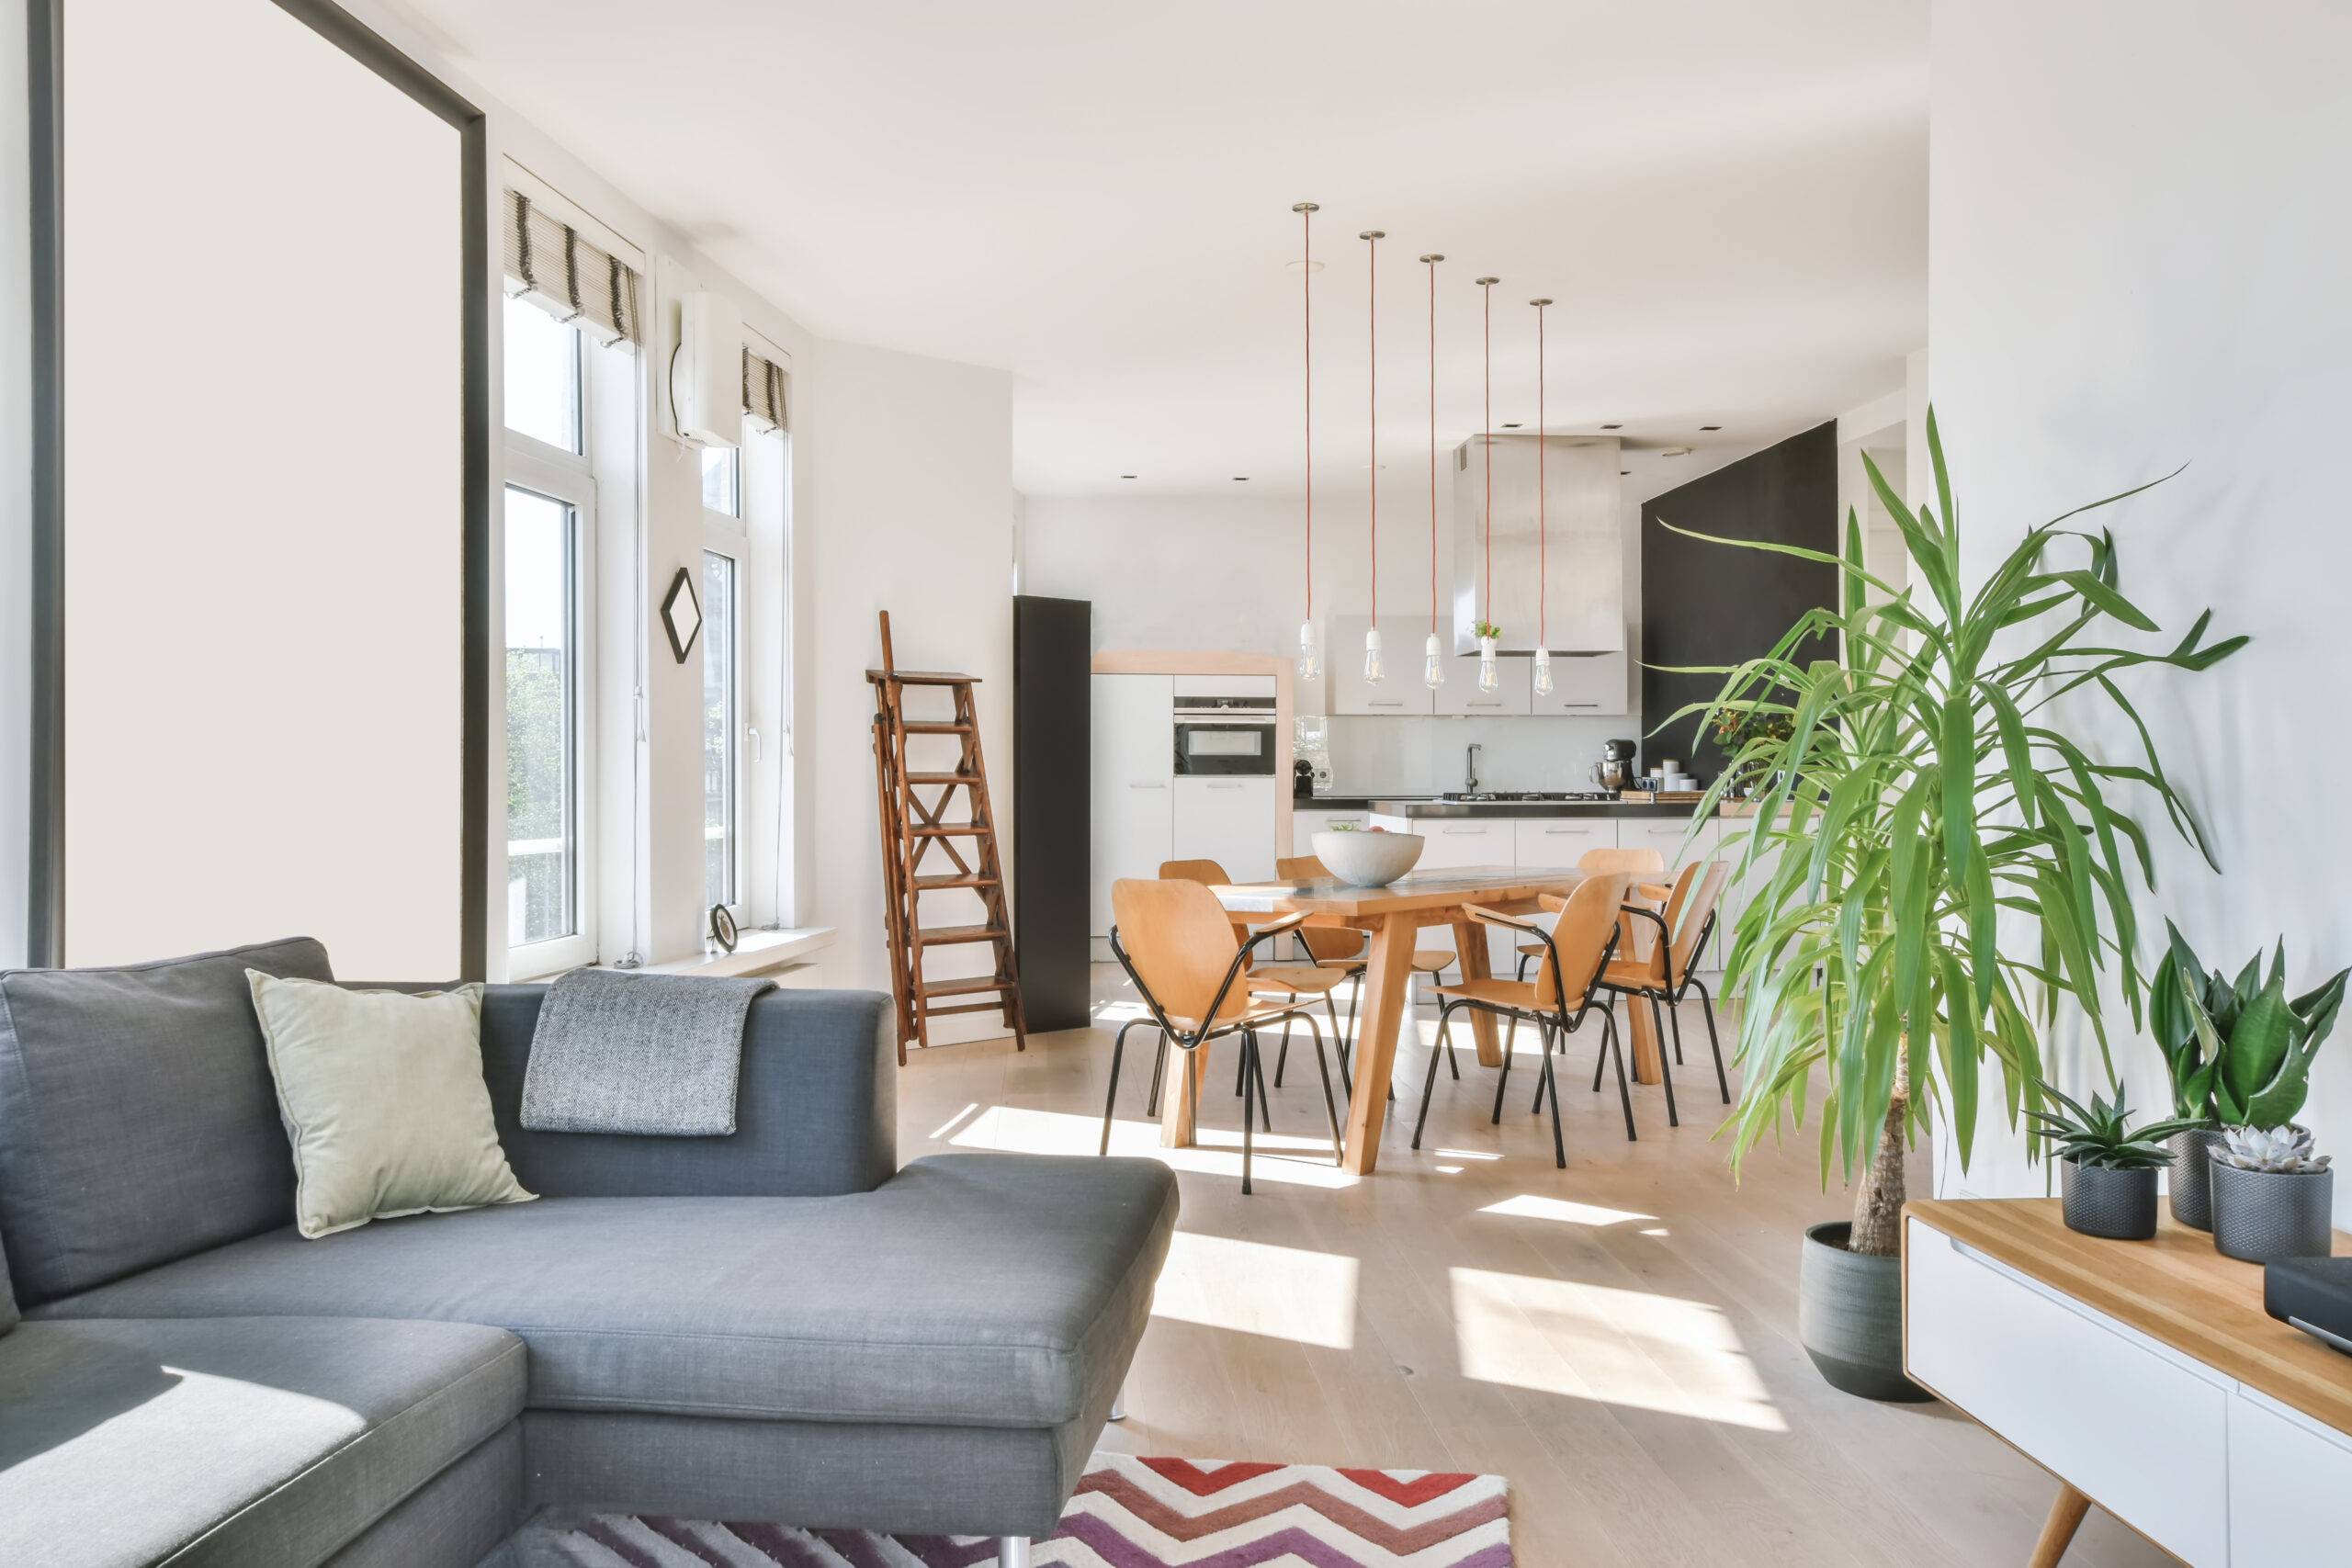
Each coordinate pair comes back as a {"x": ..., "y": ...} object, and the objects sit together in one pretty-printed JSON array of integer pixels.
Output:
[{"x": 652, "y": 1054}]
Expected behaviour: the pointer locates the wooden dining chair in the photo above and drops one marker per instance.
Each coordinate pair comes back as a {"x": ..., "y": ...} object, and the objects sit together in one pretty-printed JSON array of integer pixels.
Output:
[
  {"x": 1643, "y": 862},
  {"x": 1348, "y": 953},
  {"x": 1564, "y": 992},
  {"x": 1665, "y": 969},
  {"x": 1178, "y": 947}
]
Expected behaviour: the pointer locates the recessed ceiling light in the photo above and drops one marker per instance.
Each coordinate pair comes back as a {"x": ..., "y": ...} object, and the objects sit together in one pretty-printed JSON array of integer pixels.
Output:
[
  {"x": 1612, "y": 427},
  {"x": 1126, "y": 476},
  {"x": 1674, "y": 451},
  {"x": 1711, "y": 427},
  {"x": 1241, "y": 478},
  {"x": 1622, "y": 472},
  {"x": 1511, "y": 424}
]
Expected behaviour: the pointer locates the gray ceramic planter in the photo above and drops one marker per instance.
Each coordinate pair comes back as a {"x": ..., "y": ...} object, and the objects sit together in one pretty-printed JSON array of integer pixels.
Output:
[
  {"x": 1850, "y": 1316},
  {"x": 2101, "y": 1200},
  {"x": 2262, "y": 1215},
  {"x": 2190, "y": 1191}
]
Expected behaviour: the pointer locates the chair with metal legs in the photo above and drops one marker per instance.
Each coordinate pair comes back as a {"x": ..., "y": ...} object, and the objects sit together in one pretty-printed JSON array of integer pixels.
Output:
[
  {"x": 1179, "y": 948},
  {"x": 1348, "y": 953},
  {"x": 1564, "y": 992},
  {"x": 1641, "y": 863},
  {"x": 1665, "y": 969}
]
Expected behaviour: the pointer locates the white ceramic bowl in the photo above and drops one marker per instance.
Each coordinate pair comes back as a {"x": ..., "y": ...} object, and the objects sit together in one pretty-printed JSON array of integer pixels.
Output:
[{"x": 1368, "y": 860}]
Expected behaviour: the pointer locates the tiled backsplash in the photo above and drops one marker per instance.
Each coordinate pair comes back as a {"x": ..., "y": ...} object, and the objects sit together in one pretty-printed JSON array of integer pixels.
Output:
[{"x": 1424, "y": 756}]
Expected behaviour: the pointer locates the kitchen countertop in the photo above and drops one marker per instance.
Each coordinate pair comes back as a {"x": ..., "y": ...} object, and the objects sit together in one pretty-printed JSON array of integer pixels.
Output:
[
  {"x": 1347, "y": 802},
  {"x": 1392, "y": 806}
]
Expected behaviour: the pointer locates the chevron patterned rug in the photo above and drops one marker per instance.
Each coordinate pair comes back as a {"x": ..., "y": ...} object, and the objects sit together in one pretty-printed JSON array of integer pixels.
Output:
[{"x": 1127, "y": 1513}]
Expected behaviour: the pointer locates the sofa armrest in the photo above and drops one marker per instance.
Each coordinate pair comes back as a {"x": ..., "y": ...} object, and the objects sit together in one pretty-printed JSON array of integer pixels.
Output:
[{"x": 816, "y": 1108}]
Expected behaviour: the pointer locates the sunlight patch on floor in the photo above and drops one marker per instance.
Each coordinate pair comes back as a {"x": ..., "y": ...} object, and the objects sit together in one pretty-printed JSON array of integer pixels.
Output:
[
  {"x": 1530, "y": 1206},
  {"x": 1280, "y": 1156},
  {"x": 1627, "y": 1348},
  {"x": 1282, "y": 1293},
  {"x": 954, "y": 1122}
]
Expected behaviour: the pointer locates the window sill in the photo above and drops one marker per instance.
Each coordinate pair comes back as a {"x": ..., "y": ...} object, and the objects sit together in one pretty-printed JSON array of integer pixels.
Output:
[{"x": 756, "y": 951}]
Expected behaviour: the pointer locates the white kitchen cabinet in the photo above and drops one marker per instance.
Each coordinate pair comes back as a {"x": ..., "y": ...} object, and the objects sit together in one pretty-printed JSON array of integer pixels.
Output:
[
  {"x": 1308, "y": 821},
  {"x": 1559, "y": 842},
  {"x": 1671, "y": 836},
  {"x": 1460, "y": 698},
  {"x": 1133, "y": 775},
  {"x": 1401, "y": 694},
  {"x": 1453, "y": 843},
  {"x": 1228, "y": 820},
  {"x": 1589, "y": 687}
]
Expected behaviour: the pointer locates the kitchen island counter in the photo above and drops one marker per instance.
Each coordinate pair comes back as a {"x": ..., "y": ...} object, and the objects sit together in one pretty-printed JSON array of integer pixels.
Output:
[{"x": 1499, "y": 810}]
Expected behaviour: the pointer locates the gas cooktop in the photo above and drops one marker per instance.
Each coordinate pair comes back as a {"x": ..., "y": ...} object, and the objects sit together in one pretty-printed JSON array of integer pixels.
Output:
[{"x": 1488, "y": 797}]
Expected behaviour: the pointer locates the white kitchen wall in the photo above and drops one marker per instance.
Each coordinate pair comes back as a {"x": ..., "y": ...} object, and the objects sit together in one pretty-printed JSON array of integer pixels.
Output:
[{"x": 2137, "y": 230}]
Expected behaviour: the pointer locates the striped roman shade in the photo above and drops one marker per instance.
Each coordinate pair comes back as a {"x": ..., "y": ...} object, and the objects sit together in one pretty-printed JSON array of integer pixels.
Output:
[
  {"x": 763, "y": 391},
  {"x": 548, "y": 261}
]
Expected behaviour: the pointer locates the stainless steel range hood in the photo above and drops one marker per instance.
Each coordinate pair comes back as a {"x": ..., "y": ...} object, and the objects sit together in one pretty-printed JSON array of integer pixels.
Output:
[{"x": 1586, "y": 601}]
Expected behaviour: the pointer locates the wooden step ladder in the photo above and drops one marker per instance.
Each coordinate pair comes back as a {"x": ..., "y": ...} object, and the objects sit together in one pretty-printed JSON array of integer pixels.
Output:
[{"x": 913, "y": 831}]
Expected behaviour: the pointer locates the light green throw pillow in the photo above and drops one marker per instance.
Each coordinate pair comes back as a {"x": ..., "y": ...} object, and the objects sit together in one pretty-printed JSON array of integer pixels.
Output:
[{"x": 382, "y": 1097}]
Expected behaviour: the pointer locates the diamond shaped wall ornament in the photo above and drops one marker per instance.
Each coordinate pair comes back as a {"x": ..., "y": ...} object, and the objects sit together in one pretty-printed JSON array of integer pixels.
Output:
[{"x": 681, "y": 615}]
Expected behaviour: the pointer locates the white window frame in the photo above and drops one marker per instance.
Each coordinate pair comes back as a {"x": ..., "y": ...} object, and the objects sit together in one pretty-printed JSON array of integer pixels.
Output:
[
  {"x": 544, "y": 469},
  {"x": 731, "y": 536}
]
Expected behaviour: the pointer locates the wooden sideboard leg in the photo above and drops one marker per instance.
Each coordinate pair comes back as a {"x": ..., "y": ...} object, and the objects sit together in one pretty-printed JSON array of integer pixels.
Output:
[{"x": 2066, "y": 1512}]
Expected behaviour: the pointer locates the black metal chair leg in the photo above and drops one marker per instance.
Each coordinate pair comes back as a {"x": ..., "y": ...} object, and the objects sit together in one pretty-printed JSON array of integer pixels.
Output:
[
  {"x": 1249, "y": 1082},
  {"x": 1281, "y": 1057},
  {"x": 1341, "y": 1041},
  {"x": 1518, "y": 974},
  {"x": 1601, "y": 1061},
  {"x": 1559, "y": 1140},
  {"x": 1241, "y": 1073},
  {"x": 1111, "y": 1100},
  {"x": 1502, "y": 1081},
  {"x": 1428, "y": 1085},
  {"x": 1544, "y": 1080},
  {"x": 1330, "y": 1106},
  {"x": 1674, "y": 1017},
  {"x": 1451, "y": 1065},
  {"x": 1265, "y": 1101},
  {"x": 1616, "y": 1054},
  {"x": 1707, "y": 1011},
  {"x": 1665, "y": 1070},
  {"x": 1159, "y": 1076}
]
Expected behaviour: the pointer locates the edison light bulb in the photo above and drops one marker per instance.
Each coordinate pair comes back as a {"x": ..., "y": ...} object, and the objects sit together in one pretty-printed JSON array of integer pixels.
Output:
[
  {"x": 1372, "y": 670},
  {"x": 1543, "y": 671},
  {"x": 1488, "y": 680},
  {"x": 1433, "y": 664},
  {"x": 1309, "y": 667}
]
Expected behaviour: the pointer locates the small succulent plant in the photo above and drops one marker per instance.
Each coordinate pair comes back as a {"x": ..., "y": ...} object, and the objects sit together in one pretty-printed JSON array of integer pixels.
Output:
[
  {"x": 2102, "y": 1135},
  {"x": 2283, "y": 1149},
  {"x": 1487, "y": 629}
]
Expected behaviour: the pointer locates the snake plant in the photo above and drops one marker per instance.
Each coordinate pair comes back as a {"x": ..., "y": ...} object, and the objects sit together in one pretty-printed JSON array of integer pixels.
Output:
[
  {"x": 1950, "y": 860},
  {"x": 2240, "y": 1052}
]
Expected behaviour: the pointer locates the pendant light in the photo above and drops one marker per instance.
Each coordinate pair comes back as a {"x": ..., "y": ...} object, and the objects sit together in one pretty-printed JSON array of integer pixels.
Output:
[
  {"x": 1487, "y": 678},
  {"x": 1542, "y": 537},
  {"x": 1432, "y": 659},
  {"x": 1309, "y": 666},
  {"x": 1372, "y": 238}
]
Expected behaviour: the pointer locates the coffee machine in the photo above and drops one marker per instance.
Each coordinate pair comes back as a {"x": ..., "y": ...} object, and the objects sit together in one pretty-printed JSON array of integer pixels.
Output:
[{"x": 1615, "y": 769}]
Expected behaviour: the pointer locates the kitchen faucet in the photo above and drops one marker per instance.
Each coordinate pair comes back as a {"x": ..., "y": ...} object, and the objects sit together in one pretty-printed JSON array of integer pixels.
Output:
[{"x": 1470, "y": 769}]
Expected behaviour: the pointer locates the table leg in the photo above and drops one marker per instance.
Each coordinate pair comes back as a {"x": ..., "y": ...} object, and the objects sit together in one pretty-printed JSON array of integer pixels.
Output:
[
  {"x": 1634, "y": 1012},
  {"x": 1383, "y": 1003},
  {"x": 2066, "y": 1512},
  {"x": 1179, "y": 1105},
  {"x": 1470, "y": 954}
]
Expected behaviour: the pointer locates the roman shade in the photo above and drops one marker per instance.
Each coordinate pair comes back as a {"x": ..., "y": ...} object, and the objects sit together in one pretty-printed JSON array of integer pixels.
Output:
[
  {"x": 763, "y": 391},
  {"x": 551, "y": 262}
]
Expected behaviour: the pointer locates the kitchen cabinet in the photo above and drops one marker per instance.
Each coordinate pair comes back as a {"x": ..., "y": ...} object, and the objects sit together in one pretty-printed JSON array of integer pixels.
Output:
[
  {"x": 1671, "y": 836},
  {"x": 1451, "y": 844},
  {"x": 1514, "y": 689},
  {"x": 1559, "y": 842},
  {"x": 1133, "y": 775},
  {"x": 1400, "y": 696},
  {"x": 1308, "y": 821},
  {"x": 1228, "y": 820},
  {"x": 1590, "y": 687}
]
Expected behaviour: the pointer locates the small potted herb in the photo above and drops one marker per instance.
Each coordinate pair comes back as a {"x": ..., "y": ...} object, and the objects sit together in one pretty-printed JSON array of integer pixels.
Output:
[
  {"x": 2239, "y": 1051},
  {"x": 2106, "y": 1167},
  {"x": 2272, "y": 1195}
]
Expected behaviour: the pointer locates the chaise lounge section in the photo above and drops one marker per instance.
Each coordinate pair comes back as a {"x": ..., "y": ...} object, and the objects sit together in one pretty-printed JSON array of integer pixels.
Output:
[{"x": 778, "y": 1325}]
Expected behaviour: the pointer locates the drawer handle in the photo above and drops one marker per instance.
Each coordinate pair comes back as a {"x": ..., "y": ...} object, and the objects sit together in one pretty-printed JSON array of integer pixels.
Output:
[
  {"x": 1388, "y": 703},
  {"x": 1147, "y": 786},
  {"x": 1492, "y": 705},
  {"x": 1224, "y": 787},
  {"x": 1594, "y": 704},
  {"x": 1571, "y": 832},
  {"x": 1477, "y": 830}
]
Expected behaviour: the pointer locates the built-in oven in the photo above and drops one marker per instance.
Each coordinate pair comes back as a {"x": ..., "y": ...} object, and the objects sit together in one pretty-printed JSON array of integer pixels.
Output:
[{"x": 1225, "y": 735}]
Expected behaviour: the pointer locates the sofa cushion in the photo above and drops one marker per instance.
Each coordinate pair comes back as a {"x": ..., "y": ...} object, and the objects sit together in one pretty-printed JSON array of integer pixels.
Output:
[
  {"x": 137, "y": 1119},
  {"x": 970, "y": 1289},
  {"x": 7, "y": 1294},
  {"x": 234, "y": 1440}
]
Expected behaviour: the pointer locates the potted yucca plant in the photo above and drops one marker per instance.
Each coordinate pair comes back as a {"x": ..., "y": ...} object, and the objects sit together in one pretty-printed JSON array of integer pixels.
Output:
[
  {"x": 2106, "y": 1167},
  {"x": 2239, "y": 1054},
  {"x": 1926, "y": 790},
  {"x": 2273, "y": 1195}
]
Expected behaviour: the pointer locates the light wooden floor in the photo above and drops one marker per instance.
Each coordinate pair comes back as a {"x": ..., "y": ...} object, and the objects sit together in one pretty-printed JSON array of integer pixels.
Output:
[{"x": 1619, "y": 1338}]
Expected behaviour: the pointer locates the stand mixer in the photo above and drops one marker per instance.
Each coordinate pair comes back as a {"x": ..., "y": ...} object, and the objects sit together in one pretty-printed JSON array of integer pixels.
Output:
[{"x": 1615, "y": 769}]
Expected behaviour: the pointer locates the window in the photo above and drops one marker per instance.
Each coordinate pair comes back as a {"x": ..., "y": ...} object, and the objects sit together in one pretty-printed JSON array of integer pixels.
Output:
[
  {"x": 720, "y": 728},
  {"x": 722, "y": 480},
  {"x": 550, "y": 529}
]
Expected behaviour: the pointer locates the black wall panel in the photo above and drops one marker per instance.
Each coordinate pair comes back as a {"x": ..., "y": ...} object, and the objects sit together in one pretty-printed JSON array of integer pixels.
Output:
[{"x": 1052, "y": 681}]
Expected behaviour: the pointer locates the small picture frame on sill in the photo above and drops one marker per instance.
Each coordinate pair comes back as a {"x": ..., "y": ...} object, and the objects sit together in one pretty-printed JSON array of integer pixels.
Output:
[{"x": 681, "y": 615}]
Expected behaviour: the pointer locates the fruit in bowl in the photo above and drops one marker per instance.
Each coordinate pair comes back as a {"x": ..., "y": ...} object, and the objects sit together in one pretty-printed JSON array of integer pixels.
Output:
[{"x": 1372, "y": 858}]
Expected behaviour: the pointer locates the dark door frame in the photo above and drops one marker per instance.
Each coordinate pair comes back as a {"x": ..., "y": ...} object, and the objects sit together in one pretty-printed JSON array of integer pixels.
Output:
[{"x": 46, "y": 891}]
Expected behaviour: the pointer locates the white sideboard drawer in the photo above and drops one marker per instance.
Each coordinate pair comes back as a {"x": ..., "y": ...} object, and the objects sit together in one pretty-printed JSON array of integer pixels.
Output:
[
  {"x": 1555, "y": 842},
  {"x": 2289, "y": 1477},
  {"x": 2144, "y": 1432}
]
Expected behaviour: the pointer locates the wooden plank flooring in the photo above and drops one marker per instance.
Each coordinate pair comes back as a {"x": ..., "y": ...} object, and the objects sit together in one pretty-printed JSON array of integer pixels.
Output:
[{"x": 1619, "y": 1338}]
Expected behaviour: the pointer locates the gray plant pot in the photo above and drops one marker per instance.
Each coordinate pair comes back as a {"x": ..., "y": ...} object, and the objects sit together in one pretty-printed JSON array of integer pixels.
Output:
[
  {"x": 2101, "y": 1200},
  {"x": 2262, "y": 1215},
  {"x": 1850, "y": 1316},
  {"x": 2190, "y": 1191}
]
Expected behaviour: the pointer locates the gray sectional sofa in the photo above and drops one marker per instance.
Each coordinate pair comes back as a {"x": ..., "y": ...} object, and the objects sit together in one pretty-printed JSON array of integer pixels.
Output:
[{"x": 779, "y": 1325}]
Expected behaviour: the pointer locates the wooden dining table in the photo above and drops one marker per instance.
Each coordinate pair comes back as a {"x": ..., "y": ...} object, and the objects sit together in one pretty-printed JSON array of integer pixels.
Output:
[{"x": 1390, "y": 916}]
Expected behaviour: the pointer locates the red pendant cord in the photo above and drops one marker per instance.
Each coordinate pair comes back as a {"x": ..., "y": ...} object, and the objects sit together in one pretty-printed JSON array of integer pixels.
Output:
[
  {"x": 1487, "y": 532},
  {"x": 1306, "y": 299},
  {"x": 1372, "y": 338},
  {"x": 1432, "y": 262},
  {"x": 1543, "y": 534}
]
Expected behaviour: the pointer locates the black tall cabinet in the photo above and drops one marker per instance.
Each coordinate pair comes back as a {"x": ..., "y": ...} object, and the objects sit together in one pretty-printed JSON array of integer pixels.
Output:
[{"x": 1052, "y": 700}]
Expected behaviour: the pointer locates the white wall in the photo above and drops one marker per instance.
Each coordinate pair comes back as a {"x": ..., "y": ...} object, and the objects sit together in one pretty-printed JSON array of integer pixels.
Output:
[
  {"x": 2137, "y": 230},
  {"x": 914, "y": 497},
  {"x": 15, "y": 499}
]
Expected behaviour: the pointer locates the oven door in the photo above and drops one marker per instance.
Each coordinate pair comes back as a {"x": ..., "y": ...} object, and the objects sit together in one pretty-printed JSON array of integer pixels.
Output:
[{"x": 1217, "y": 747}]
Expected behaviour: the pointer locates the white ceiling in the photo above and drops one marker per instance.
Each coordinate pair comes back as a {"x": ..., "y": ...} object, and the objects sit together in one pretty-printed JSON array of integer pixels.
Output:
[{"x": 1726, "y": 199}]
